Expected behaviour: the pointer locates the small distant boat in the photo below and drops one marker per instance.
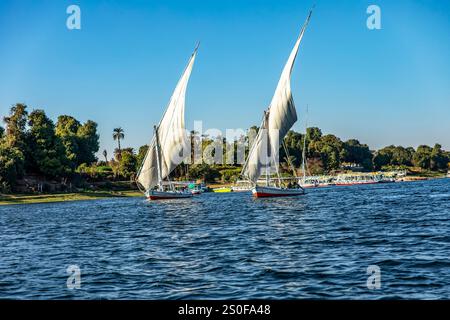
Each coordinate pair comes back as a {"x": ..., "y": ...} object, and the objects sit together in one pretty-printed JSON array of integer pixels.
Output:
[
  {"x": 195, "y": 188},
  {"x": 316, "y": 182},
  {"x": 169, "y": 139},
  {"x": 242, "y": 186},
  {"x": 387, "y": 180},
  {"x": 355, "y": 182},
  {"x": 278, "y": 119},
  {"x": 309, "y": 185},
  {"x": 222, "y": 190},
  {"x": 448, "y": 174},
  {"x": 326, "y": 184}
]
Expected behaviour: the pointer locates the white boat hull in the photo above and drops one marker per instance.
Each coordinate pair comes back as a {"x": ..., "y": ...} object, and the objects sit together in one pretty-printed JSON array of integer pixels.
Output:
[
  {"x": 266, "y": 192},
  {"x": 309, "y": 185},
  {"x": 352, "y": 183},
  {"x": 164, "y": 195}
]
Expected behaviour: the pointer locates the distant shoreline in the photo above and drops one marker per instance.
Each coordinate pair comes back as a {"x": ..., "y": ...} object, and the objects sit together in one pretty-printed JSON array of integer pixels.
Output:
[{"x": 16, "y": 199}]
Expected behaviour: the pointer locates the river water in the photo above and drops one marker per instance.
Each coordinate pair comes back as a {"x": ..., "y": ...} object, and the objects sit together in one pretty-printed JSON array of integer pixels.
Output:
[{"x": 230, "y": 246}]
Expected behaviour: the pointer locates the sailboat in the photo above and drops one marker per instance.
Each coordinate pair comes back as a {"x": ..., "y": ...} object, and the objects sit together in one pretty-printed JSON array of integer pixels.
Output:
[
  {"x": 169, "y": 141},
  {"x": 278, "y": 119}
]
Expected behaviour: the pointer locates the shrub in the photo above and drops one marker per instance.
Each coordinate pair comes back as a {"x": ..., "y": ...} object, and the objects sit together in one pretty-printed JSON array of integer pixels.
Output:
[{"x": 230, "y": 175}]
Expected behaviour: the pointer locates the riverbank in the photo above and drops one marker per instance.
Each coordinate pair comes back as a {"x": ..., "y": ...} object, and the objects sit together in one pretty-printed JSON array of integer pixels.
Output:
[
  {"x": 6, "y": 199},
  {"x": 12, "y": 199}
]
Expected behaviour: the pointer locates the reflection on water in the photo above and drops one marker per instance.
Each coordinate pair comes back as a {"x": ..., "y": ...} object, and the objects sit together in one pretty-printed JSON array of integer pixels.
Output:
[{"x": 231, "y": 246}]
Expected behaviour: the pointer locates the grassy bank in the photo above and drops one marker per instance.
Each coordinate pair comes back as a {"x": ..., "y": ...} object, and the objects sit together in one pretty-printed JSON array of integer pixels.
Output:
[{"x": 62, "y": 197}]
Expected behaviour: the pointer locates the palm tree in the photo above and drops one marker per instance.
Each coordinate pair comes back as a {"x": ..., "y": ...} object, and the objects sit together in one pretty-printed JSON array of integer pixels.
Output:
[
  {"x": 105, "y": 154},
  {"x": 118, "y": 135}
]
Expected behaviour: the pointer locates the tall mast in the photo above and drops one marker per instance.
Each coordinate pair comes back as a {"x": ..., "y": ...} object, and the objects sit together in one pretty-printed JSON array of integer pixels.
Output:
[
  {"x": 288, "y": 158},
  {"x": 255, "y": 140},
  {"x": 264, "y": 127},
  {"x": 272, "y": 152},
  {"x": 158, "y": 160},
  {"x": 304, "y": 146}
]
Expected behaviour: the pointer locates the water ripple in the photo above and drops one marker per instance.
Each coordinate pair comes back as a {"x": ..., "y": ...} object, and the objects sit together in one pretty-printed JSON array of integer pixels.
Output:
[{"x": 231, "y": 246}]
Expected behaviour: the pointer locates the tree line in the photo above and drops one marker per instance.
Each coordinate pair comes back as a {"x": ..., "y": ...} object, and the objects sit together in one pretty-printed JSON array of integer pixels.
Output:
[
  {"x": 327, "y": 153},
  {"x": 32, "y": 144}
]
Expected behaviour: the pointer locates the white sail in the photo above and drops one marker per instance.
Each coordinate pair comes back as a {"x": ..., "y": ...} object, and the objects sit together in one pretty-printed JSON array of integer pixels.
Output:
[
  {"x": 258, "y": 157},
  {"x": 279, "y": 118},
  {"x": 172, "y": 137}
]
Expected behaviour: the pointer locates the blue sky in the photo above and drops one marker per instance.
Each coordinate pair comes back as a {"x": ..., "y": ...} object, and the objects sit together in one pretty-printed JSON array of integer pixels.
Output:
[{"x": 388, "y": 86}]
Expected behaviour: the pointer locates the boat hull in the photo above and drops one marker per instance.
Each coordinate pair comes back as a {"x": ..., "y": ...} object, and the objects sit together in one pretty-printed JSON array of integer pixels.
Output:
[
  {"x": 241, "y": 189},
  {"x": 267, "y": 192},
  {"x": 356, "y": 183},
  {"x": 323, "y": 185},
  {"x": 386, "y": 181},
  {"x": 310, "y": 185},
  {"x": 166, "y": 195}
]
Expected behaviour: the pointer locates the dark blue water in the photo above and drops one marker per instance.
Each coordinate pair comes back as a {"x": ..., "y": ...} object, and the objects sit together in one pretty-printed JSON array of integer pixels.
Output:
[{"x": 230, "y": 246}]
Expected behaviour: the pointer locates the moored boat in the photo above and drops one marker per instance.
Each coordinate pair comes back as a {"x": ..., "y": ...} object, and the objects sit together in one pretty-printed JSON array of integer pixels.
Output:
[
  {"x": 242, "y": 186},
  {"x": 387, "y": 180},
  {"x": 352, "y": 183},
  {"x": 164, "y": 195},
  {"x": 222, "y": 190},
  {"x": 316, "y": 181},
  {"x": 266, "y": 192},
  {"x": 309, "y": 185},
  {"x": 325, "y": 184}
]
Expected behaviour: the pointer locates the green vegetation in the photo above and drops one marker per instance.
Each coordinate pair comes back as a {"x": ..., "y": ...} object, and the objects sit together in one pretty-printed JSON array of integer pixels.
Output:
[
  {"x": 425, "y": 157},
  {"x": 38, "y": 155},
  {"x": 325, "y": 153},
  {"x": 204, "y": 172},
  {"x": 33, "y": 145}
]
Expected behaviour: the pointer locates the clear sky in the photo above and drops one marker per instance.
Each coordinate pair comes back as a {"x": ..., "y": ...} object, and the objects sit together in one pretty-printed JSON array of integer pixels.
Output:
[{"x": 388, "y": 86}]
